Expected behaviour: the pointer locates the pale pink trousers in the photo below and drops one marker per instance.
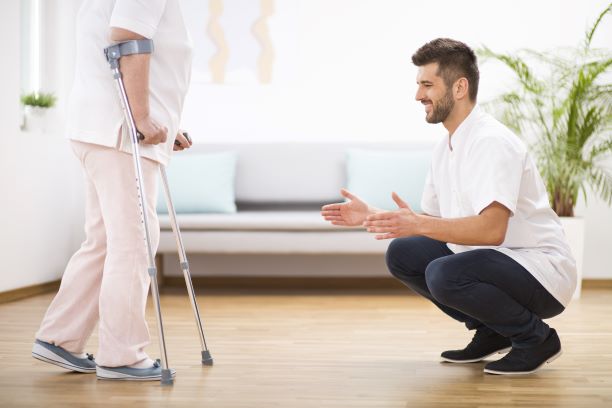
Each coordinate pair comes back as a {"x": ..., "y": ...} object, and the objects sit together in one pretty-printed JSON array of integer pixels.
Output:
[{"x": 106, "y": 280}]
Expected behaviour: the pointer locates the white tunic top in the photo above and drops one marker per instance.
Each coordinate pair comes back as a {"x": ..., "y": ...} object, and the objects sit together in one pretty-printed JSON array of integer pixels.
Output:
[
  {"x": 489, "y": 163},
  {"x": 94, "y": 107}
]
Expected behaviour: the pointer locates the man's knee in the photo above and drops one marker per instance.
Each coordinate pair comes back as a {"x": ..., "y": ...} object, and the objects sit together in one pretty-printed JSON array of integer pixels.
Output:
[
  {"x": 442, "y": 280},
  {"x": 400, "y": 257}
]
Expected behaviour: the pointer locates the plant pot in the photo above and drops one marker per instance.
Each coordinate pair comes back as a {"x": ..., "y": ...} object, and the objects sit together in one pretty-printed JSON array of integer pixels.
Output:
[
  {"x": 35, "y": 118},
  {"x": 574, "y": 232}
]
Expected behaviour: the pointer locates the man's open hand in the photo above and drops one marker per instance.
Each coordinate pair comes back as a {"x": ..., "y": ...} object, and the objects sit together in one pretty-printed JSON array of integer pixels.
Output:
[
  {"x": 394, "y": 224},
  {"x": 350, "y": 214}
]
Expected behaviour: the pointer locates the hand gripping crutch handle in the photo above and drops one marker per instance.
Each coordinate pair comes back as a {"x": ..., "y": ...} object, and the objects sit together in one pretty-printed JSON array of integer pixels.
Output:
[
  {"x": 141, "y": 137},
  {"x": 186, "y": 135}
]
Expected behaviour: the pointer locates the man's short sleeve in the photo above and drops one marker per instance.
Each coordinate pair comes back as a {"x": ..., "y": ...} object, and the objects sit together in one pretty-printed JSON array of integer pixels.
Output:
[
  {"x": 429, "y": 201},
  {"x": 495, "y": 172},
  {"x": 139, "y": 16}
]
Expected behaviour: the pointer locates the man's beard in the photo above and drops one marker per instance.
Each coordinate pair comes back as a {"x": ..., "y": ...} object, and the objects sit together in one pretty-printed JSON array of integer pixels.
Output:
[{"x": 440, "y": 112}]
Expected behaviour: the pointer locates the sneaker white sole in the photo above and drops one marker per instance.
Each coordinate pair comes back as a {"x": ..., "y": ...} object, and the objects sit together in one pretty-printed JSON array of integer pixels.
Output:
[
  {"x": 43, "y": 354},
  {"x": 550, "y": 360},
  {"x": 502, "y": 351},
  {"x": 104, "y": 374}
]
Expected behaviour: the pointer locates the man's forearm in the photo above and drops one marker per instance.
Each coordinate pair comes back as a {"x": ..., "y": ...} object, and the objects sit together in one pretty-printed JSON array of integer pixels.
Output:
[{"x": 476, "y": 230}]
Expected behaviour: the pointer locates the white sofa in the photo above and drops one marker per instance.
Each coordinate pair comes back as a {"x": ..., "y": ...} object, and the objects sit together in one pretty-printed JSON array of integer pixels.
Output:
[{"x": 277, "y": 230}]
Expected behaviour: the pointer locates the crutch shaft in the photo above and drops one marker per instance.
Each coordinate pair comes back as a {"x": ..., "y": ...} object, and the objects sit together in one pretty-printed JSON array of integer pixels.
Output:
[
  {"x": 183, "y": 258},
  {"x": 152, "y": 270}
]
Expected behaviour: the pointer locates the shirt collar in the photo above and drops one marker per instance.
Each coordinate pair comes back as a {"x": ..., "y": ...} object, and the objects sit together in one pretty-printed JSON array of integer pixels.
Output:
[{"x": 458, "y": 138}]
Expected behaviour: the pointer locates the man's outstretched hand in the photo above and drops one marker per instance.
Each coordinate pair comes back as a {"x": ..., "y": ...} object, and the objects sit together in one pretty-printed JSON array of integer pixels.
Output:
[
  {"x": 394, "y": 224},
  {"x": 350, "y": 214}
]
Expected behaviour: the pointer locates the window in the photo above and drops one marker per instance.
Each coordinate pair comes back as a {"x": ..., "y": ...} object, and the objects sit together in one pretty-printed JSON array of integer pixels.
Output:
[{"x": 31, "y": 27}]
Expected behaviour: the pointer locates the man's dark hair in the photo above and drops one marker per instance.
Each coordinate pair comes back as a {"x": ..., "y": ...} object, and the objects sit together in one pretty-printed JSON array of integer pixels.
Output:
[{"x": 455, "y": 60}]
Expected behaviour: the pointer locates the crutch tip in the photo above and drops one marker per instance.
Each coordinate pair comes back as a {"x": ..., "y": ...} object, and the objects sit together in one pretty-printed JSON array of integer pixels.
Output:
[
  {"x": 207, "y": 358},
  {"x": 166, "y": 377}
]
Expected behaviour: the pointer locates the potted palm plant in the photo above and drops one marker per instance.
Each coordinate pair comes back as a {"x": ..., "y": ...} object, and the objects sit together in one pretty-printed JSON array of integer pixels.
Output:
[
  {"x": 562, "y": 108},
  {"x": 35, "y": 107}
]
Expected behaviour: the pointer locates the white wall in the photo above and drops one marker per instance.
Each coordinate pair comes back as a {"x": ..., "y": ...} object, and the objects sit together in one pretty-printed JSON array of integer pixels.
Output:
[
  {"x": 342, "y": 72},
  {"x": 40, "y": 209},
  {"x": 597, "y": 239},
  {"x": 343, "y": 69}
]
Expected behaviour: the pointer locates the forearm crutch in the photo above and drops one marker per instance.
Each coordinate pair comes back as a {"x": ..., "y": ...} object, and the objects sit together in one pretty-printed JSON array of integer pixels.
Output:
[
  {"x": 206, "y": 357},
  {"x": 113, "y": 55}
]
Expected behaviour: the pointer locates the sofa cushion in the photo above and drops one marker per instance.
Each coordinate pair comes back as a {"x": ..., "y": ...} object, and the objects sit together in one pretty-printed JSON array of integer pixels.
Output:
[
  {"x": 201, "y": 183},
  {"x": 374, "y": 175},
  {"x": 340, "y": 241},
  {"x": 251, "y": 221},
  {"x": 297, "y": 172}
]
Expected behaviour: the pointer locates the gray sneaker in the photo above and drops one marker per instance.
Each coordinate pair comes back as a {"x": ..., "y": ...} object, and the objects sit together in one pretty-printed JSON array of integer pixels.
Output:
[
  {"x": 132, "y": 374},
  {"x": 51, "y": 354}
]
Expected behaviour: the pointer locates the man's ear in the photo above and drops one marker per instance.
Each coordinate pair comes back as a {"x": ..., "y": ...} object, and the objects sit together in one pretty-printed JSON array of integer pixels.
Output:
[{"x": 461, "y": 88}]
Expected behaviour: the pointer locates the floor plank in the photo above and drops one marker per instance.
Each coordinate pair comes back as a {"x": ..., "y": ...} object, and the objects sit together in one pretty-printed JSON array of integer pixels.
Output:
[{"x": 317, "y": 349}]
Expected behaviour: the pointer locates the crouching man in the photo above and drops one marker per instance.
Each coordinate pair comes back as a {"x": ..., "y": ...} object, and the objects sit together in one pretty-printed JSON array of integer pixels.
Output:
[{"x": 489, "y": 251}]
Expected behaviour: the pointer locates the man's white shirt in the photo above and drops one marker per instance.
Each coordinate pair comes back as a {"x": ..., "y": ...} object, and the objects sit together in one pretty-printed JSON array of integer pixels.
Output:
[{"x": 488, "y": 163}]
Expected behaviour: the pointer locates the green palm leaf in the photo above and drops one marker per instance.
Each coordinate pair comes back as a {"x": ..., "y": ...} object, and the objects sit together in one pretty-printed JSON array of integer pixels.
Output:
[{"x": 565, "y": 116}]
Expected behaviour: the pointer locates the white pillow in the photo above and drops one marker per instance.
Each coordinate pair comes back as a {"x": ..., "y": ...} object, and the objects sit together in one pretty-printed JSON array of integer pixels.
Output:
[
  {"x": 373, "y": 175},
  {"x": 201, "y": 183}
]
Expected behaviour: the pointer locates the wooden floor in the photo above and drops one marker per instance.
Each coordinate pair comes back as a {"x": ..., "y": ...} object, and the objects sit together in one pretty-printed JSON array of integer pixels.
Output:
[{"x": 317, "y": 350}]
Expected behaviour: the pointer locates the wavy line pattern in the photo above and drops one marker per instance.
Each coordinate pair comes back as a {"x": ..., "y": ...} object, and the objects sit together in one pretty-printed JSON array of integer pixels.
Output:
[
  {"x": 219, "y": 60},
  {"x": 265, "y": 61}
]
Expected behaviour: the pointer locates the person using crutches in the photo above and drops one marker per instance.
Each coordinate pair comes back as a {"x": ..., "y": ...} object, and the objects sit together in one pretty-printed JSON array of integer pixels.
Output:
[{"x": 106, "y": 280}]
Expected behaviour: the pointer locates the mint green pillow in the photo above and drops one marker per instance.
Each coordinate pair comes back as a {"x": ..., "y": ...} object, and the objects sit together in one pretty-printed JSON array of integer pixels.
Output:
[
  {"x": 200, "y": 183},
  {"x": 373, "y": 175}
]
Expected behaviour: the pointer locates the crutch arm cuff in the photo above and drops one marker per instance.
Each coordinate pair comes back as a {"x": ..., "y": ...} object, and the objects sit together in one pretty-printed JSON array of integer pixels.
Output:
[{"x": 116, "y": 51}]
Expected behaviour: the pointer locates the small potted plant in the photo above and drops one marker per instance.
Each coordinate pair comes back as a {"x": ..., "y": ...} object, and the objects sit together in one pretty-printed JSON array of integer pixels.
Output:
[
  {"x": 562, "y": 108},
  {"x": 35, "y": 106}
]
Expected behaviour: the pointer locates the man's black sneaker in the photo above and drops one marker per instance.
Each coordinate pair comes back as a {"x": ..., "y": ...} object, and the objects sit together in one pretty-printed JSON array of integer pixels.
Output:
[
  {"x": 485, "y": 343},
  {"x": 529, "y": 360}
]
